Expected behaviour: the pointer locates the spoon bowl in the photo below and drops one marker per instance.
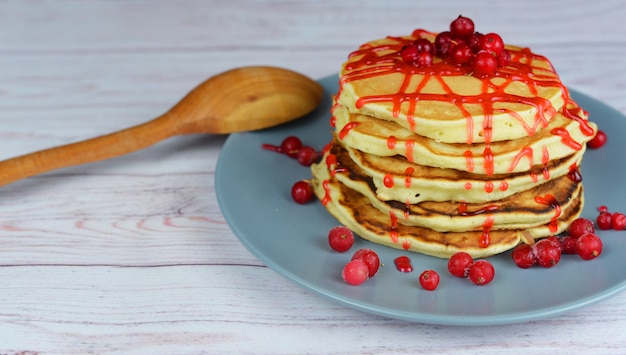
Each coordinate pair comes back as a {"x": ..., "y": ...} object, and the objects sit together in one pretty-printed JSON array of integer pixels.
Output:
[{"x": 242, "y": 99}]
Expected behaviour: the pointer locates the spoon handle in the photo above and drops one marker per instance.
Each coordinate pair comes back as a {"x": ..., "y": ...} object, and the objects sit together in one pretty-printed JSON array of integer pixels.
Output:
[{"x": 87, "y": 151}]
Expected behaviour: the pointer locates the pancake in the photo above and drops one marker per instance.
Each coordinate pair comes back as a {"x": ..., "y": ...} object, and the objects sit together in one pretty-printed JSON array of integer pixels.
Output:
[
  {"x": 395, "y": 178},
  {"x": 433, "y": 155},
  {"x": 354, "y": 210},
  {"x": 562, "y": 137},
  {"x": 451, "y": 106},
  {"x": 536, "y": 206}
]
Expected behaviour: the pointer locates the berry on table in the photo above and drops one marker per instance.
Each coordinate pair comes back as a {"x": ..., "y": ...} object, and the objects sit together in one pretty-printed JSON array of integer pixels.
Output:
[
  {"x": 290, "y": 146},
  {"x": 618, "y": 221},
  {"x": 306, "y": 155},
  {"x": 370, "y": 258},
  {"x": 605, "y": 220},
  {"x": 355, "y": 272},
  {"x": 524, "y": 256},
  {"x": 459, "y": 263},
  {"x": 581, "y": 226},
  {"x": 302, "y": 192},
  {"x": 481, "y": 272},
  {"x": 589, "y": 246},
  {"x": 429, "y": 280},
  {"x": 568, "y": 245},
  {"x": 340, "y": 239},
  {"x": 547, "y": 254}
]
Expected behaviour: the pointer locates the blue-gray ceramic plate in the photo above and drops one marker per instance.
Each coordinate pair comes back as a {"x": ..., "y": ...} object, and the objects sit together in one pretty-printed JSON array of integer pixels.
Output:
[{"x": 254, "y": 192}]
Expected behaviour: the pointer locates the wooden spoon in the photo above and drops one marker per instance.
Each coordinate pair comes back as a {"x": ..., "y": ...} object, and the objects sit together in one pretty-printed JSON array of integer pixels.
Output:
[{"x": 242, "y": 99}]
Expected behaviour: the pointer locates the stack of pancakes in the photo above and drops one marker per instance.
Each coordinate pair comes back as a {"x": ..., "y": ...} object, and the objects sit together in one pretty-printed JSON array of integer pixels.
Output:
[{"x": 436, "y": 160}]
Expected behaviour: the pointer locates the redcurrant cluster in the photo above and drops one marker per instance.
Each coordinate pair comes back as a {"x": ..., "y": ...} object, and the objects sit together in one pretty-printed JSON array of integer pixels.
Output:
[
  {"x": 461, "y": 45},
  {"x": 607, "y": 220},
  {"x": 292, "y": 147},
  {"x": 480, "y": 272},
  {"x": 581, "y": 239},
  {"x": 364, "y": 263}
]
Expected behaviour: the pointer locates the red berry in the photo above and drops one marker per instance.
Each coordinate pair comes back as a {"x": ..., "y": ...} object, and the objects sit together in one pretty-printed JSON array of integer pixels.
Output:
[
  {"x": 481, "y": 272},
  {"x": 618, "y": 221},
  {"x": 442, "y": 42},
  {"x": 340, "y": 238},
  {"x": 355, "y": 272},
  {"x": 370, "y": 258},
  {"x": 492, "y": 43},
  {"x": 568, "y": 245},
  {"x": 424, "y": 59},
  {"x": 302, "y": 192},
  {"x": 429, "y": 280},
  {"x": 462, "y": 27},
  {"x": 459, "y": 264},
  {"x": 290, "y": 146},
  {"x": 556, "y": 241},
  {"x": 424, "y": 45},
  {"x": 306, "y": 155},
  {"x": 589, "y": 246},
  {"x": 524, "y": 256},
  {"x": 581, "y": 226},
  {"x": 598, "y": 140},
  {"x": 409, "y": 54},
  {"x": 547, "y": 253},
  {"x": 504, "y": 58},
  {"x": 461, "y": 54},
  {"x": 485, "y": 64},
  {"x": 603, "y": 209},
  {"x": 473, "y": 41},
  {"x": 605, "y": 220}
]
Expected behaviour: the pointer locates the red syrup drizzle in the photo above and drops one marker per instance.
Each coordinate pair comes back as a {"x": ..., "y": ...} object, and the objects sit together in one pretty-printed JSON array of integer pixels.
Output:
[
  {"x": 545, "y": 159},
  {"x": 406, "y": 244},
  {"x": 574, "y": 173},
  {"x": 391, "y": 142},
  {"x": 566, "y": 138},
  {"x": 347, "y": 128},
  {"x": 393, "y": 231},
  {"x": 388, "y": 181},
  {"x": 403, "y": 264},
  {"x": 526, "y": 152},
  {"x": 408, "y": 174},
  {"x": 326, "y": 198},
  {"x": 485, "y": 237},
  {"x": 550, "y": 200},
  {"x": 464, "y": 212},
  {"x": 408, "y": 145}
]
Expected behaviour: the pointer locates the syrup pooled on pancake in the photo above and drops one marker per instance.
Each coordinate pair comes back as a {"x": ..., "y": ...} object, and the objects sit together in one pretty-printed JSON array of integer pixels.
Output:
[{"x": 434, "y": 155}]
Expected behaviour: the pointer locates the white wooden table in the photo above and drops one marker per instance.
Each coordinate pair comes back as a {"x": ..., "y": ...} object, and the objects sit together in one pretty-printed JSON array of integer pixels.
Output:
[{"x": 133, "y": 255}]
